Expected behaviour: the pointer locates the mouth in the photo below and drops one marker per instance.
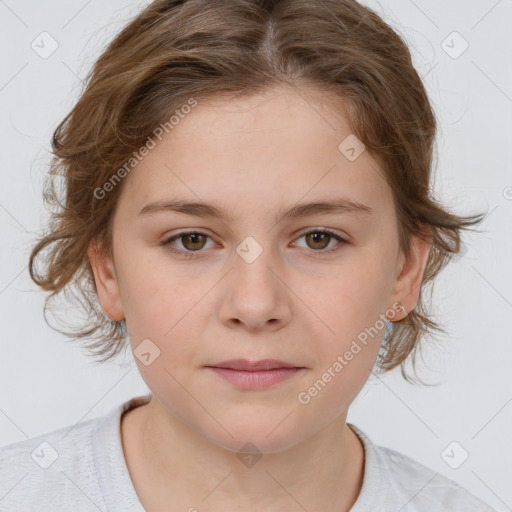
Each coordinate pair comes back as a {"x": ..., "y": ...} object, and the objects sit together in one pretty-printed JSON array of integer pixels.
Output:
[
  {"x": 253, "y": 366},
  {"x": 246, "y": 374}
]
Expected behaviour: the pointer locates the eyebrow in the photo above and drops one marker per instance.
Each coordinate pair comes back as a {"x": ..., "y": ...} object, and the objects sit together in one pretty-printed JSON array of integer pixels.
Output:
[{"x": 342, "y": 205}]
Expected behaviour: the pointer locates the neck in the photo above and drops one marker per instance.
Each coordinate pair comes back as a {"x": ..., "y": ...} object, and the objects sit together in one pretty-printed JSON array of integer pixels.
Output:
[{"x": 169, "y": 463}]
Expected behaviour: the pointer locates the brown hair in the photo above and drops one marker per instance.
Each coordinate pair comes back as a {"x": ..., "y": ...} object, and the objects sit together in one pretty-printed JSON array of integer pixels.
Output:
[{"x": 177, "y": 50}]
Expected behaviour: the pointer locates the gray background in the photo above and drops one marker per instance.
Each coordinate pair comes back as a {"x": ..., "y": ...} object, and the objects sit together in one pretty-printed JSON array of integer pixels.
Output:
[{"x": 46, "y": 383}]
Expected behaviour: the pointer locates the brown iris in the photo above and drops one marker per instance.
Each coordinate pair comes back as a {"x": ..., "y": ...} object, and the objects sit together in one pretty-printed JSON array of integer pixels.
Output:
[
  {"x": 198, "y": 241},
  {"x": 318, "y": 238}
]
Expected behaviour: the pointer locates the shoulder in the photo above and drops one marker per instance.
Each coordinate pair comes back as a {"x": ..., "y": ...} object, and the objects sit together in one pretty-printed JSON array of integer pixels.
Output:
[
  {"x": 49, "y": 469},
  {"x": 427, "y": 488},
  {"x": 396, "y": 480}
]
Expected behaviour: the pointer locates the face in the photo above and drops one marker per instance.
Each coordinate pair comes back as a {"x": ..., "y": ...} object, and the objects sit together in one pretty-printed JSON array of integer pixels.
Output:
[{"x": 254, "y": 283}]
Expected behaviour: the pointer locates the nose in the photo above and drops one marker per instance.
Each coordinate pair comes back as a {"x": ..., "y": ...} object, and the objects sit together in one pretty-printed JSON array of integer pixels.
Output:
[{"x": 255, "y": 296}]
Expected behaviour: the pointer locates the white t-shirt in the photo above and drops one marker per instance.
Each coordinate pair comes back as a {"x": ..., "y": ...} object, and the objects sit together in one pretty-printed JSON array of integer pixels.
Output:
[{"x": 82, "y": 468}]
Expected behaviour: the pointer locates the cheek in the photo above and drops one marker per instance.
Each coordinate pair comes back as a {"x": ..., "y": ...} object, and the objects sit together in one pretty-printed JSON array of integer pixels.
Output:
[
  {"x": 337, "y": 386},
  {"x": 345, "y": 359},
  {"x": 155, "y": 300},
  {"x": 163, "y": 315},
  {"x": 346, "y": 302},
  {"x": 370, "y": 282},
  {"x": 171, "y": 341},
  {"x": 345, "y": 314}
]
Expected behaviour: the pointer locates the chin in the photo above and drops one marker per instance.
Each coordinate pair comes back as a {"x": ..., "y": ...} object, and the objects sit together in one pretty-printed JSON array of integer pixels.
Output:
[{"x": 266, "y": 434}]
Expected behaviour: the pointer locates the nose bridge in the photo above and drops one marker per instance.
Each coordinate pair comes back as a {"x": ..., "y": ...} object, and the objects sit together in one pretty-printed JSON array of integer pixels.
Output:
[
  {"x": 252, "y": 261},
  {"x": 255, "y": 295}
]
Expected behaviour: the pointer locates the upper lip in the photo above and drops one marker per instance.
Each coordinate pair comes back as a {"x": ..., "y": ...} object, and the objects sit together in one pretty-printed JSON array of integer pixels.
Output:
[{"x": 252, "y": 366}]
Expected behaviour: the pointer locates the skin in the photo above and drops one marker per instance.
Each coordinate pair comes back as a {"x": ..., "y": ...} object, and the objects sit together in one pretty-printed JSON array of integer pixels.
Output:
[{"x": 253, "y": 156}]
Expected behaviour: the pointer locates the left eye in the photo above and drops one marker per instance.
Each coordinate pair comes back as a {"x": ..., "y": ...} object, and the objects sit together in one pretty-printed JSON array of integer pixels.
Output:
[
  {"x": 319, "y": 239},
  {"x": 194, "y": 241}
]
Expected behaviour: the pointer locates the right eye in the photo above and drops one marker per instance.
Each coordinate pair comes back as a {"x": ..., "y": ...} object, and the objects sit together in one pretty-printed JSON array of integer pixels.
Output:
[{"x": 192, "y": 241}]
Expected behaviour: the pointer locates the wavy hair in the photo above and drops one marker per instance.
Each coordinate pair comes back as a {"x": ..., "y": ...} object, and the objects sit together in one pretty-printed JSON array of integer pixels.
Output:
[{"x": 175, "y": 50}]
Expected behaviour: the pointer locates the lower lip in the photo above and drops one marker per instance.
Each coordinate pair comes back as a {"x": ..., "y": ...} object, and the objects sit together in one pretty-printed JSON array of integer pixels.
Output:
[{"x": 256, "y": 379}]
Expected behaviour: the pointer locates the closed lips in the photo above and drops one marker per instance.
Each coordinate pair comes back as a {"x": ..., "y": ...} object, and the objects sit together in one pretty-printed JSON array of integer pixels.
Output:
[{"x": 253, "y": 366}]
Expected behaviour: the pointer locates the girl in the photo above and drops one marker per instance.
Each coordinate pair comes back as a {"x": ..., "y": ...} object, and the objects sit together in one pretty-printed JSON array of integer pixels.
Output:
[{"x": 248, "y": 207}]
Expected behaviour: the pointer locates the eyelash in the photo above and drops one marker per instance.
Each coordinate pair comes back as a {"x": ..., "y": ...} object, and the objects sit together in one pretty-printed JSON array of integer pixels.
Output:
[{"x": 192, "y": 254}]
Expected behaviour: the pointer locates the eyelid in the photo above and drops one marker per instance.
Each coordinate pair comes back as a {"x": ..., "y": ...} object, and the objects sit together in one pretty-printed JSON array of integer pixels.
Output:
[
  {"x": 189, "y": 231},
  {"x": 342, "y": 240},
  {"x": 320, "y": 229}
]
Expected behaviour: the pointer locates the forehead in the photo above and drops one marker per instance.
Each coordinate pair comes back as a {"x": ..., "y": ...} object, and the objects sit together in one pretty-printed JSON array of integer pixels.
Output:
[{"x": 260, "y": 152}]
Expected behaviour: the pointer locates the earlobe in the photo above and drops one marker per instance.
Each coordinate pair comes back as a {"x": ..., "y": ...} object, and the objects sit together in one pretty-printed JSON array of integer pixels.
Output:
[{"x": 107, "y": 284}]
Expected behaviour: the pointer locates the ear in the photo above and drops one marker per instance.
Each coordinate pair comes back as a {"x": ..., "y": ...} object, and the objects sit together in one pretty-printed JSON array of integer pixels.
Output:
[
  {"x": 410, "y": 270},
  {"x": 107, "y": 285}
]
